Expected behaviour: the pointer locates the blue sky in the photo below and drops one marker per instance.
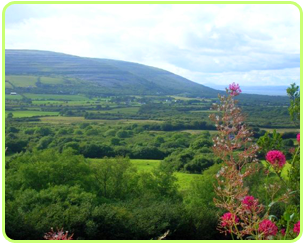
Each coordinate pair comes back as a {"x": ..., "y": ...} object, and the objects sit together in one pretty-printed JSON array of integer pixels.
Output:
[{"x": 254, "y": 45}]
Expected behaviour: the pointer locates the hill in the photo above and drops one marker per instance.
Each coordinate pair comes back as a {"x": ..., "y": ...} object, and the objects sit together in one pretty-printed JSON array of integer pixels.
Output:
[{"x": 51, "y": 72}]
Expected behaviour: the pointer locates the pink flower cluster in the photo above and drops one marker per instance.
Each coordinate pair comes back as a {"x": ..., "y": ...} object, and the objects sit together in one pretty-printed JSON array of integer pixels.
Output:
[
  {"x": 235, "y": 89},
  {"x": 229, "y": 219},
  {"x": 249, "y": 201},
  {"x": 57, "y": 235},
  {"x": 296, "y": 228},
  {"x": 268, "y": 228},
  {"x": 298, "y": 137},
  {"x": 276, "y": 158}
]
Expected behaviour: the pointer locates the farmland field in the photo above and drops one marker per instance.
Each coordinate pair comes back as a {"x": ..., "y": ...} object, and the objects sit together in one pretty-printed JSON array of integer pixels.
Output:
[
  {"x": 22, "y": 81},
  {"x": 51, "y": 80},
  {"x": 19, "y": 114},
  {"x": 60, "y": 97},
  {"x": 281, "y": 130},
  {"x": 13, "y": 97},
  {"x": 8, "y": 85},
  {"x": 69, "y": 120}
]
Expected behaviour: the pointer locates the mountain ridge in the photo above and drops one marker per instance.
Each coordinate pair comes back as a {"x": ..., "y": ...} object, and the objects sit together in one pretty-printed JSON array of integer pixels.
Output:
[{"x": 113, "y": 75}]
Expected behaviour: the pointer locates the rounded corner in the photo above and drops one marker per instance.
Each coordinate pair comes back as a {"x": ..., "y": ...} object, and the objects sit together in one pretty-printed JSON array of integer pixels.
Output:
[
  {"x": 6, "y": 237},
  {"x": 6, "y": 7},
  {"x": 297, "y": 6}
]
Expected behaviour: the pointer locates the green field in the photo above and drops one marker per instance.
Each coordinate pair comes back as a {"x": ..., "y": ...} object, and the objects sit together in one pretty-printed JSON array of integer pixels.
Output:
[
  {"x": 187, "y": 98},
  {"x": 61, "y": 97},
  {"x": 8, "y": 85},
  {"x": 281, "y": 130},
  {"x": 69, "y": 120},
  {"x": 52, "y": 80},
  {"x": 145, "y": 165},
  {"x": 127, "y": 110},
  {"x": 204, "y": 111},
  {"x": 31, "y": 113},
  {"x": 199, "y": 131},
  {"x": 13, "y": 97},
  {"x": 183, "y": 179},
  {"x": 22, "y": 81}
]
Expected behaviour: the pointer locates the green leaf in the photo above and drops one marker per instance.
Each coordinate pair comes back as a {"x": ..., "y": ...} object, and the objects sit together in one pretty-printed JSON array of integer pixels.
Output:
[
  {"x": 272, "y": 216},
  {"x": 271, "y": 204}
]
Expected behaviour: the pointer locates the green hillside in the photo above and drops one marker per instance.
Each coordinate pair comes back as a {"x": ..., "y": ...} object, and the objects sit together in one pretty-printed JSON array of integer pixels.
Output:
[{"x": 50, "y": 72}]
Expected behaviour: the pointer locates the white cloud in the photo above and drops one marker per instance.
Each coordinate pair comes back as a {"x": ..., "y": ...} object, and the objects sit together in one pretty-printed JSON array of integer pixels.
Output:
[{"x": 205, "y": 43}]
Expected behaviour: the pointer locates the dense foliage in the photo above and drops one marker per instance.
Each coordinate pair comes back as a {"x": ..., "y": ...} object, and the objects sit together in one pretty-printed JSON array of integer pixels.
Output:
[{"x": 78, "y": 174}]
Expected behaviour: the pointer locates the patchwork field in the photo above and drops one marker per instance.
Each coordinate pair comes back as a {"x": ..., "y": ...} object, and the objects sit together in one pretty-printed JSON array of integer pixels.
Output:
[
  {"x": 60, "y": 97},
  {"x": 18, "y": 114},
  {"x": 13, "y": 97},
  {"x": 69, "y": 120},
  {"x": 51, "y": 80},
  {"x": 22, "y": 81},
  {"x": 281, "y": 130}
]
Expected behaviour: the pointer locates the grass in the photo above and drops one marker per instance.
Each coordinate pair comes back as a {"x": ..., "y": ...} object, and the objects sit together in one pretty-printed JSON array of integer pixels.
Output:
[
  {"x": 187, "y": 98},
  {"x": 140, "y": 164},
  {"x": 281, "y": 130},
  {"x": 192, "y": 131},
  {"x": 183, "y": 179},
  {"x": 144, "y": 164},
  {"x": 69, "y": 120},
  {"x": 22, "y": 81},
  {"x": 52, "y": 80},
  {"x": 13, "y": 97},
  {"x": 127, "y": 110},
  {"x": 31, "y": 113},
  {"x": 61, "y": 102},
  {"x": 8, "y": 85},
  {"x": 61, "y": 97},
  {"x": 204, "y": 111}
]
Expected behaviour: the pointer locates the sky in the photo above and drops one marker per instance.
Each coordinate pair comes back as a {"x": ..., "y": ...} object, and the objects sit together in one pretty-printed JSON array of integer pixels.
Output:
[{"x": 214, "y": 45}]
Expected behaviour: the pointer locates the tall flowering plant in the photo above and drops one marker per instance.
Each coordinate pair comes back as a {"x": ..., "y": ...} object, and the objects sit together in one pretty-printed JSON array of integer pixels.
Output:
[{"x": 245, "y": 217}]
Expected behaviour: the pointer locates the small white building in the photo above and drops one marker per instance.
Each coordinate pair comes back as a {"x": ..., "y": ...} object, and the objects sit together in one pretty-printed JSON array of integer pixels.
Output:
[{"x": 13, "y": 93}]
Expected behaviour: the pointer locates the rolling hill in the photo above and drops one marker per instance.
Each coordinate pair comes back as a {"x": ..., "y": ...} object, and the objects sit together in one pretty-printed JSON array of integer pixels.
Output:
[{"x": 51, "y": 72}]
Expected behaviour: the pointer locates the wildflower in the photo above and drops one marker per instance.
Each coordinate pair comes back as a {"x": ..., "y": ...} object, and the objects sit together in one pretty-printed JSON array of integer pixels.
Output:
[
  {"x": 235, "y": 89},
  {"x": 276, "y": 158},
  {"x": 229, "y": 219},
  {"x": 283, "y": 231},
  {"x": 268, "y": 228},
  {"x": 249, "y": 201},
  {"x": 57, "y": 235},
  {"x": 292, "y": 150},
  {"x": 298, "y": 138},
  {"x": 296, "y": 228}
]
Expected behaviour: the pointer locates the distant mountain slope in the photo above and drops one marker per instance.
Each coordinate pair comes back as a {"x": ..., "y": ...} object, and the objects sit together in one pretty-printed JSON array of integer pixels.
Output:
[{"x": 102, "y": 74}]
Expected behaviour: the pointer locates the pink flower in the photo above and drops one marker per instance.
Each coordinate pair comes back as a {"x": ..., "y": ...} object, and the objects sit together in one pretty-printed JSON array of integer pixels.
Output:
[
  {"x": 268, "y": 228},
  {"x": 283, "y": 231},
  {"x": 235, "y": 89},
  {"x": 249, "y": 201},
  {"x": 57, "y": 235},
  {"x": 296, "y": 228},
  {"x": 276, "y": 158},
  {"x": 229, "y": 219},
  {"x": 298, "y": 138}
]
